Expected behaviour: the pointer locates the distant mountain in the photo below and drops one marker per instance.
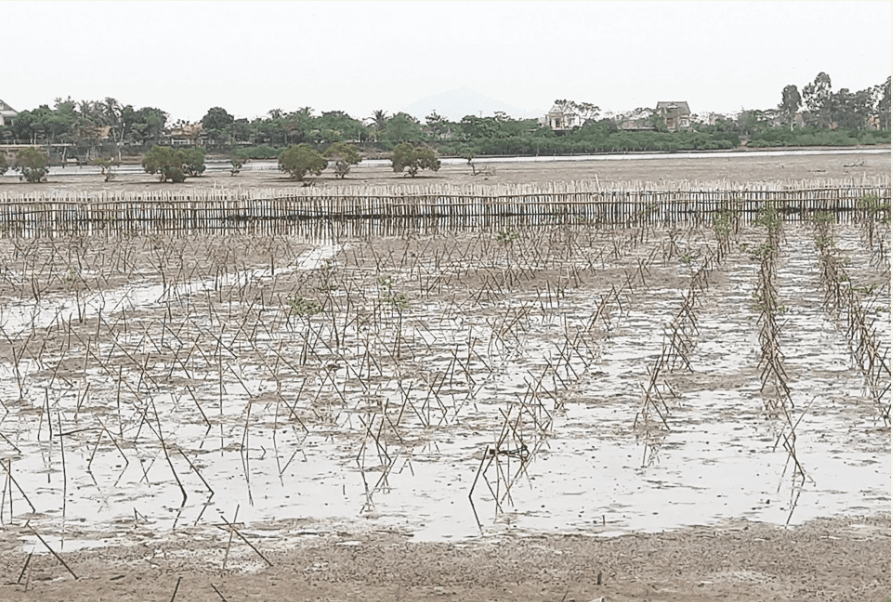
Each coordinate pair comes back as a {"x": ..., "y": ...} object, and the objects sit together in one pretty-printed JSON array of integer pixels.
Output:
[{"x": 456, "y": 104}]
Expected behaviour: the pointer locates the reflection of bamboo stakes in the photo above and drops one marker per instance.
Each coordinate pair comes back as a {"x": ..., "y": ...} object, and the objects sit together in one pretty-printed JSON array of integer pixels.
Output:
[
  {"x": 8, "y": 468},
  {"x": 185, "y": 457}
]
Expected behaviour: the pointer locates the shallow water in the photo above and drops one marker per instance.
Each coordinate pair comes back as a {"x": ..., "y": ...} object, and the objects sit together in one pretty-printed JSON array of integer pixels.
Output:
[{"x": 465, "y": 373}]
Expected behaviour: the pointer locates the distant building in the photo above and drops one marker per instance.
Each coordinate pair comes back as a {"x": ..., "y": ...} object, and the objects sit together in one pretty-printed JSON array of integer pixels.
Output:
[
  {"x": 639, "y": 120},
  {"x": 7, "y": 114},
  {"x": 676, "y": 114},
  {"x": 565, "y": 117},
  {"x": 186, "y": 134}
]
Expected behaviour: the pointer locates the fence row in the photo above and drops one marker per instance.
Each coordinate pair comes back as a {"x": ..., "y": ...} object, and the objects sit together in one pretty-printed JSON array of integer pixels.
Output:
[{"x": 457, "y": 209}]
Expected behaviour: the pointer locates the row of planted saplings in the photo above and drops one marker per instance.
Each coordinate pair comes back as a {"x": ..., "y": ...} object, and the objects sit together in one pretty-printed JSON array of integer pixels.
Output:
[
  {"x": 774, "y": 380},
  {"x": 873, "y": 216},
  {"x": 679, "y": 338},
  {"x": 526, "y": 425},
  {"x": 842, "y": 298},
  {"x": 317, "y": 345}
]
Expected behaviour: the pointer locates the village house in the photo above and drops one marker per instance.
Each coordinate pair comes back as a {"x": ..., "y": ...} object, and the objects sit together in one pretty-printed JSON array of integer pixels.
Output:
[
  {"x": 676, "y": 114},
  {"x": 7, "y": 114},
  {"x": 186, "y": 134},
  {"x": 561, "y": 118},
  {"x": 565, "y": 116}
]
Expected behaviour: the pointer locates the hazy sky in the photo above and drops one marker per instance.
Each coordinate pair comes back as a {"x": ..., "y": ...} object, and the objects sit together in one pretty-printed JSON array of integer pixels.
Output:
[{"x": 185, "y": 57}]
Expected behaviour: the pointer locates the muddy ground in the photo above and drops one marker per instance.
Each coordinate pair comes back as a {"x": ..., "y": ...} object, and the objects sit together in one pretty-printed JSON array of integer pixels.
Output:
[
  {"x": 840, "y": 558},
  {"x": 746, "y": 167}
]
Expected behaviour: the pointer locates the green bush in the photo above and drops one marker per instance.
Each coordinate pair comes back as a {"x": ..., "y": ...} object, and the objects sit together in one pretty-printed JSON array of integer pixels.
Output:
[
  {"x": 174, "y": 164},
  {"x": 412, "y": 158},
  {"x": 301, "y": 159},
  {"x": 194, "y": 161},
  {"x": 33, "y": 163},
  {"x": 345, "y": 155}
]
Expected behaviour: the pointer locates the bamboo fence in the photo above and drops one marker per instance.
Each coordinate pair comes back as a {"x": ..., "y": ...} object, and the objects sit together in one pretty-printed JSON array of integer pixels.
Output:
[{"x": 237, "y": 210}]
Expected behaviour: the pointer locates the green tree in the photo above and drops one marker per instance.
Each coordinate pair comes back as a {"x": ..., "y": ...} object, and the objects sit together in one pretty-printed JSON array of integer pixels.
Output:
[
  {"x": 335, "y": 126},
  {"x": 413, "y": 158},
  {"x": 301, "y": 159},
  {"x": 3, "y": 164},
  {"x": 148, "y": 126},
  {"x": 174, "y": 164},
  {"x": 882, "y": 109},
  {"x": 242, "y": 131},
  {"x": 817, "y": 97},
  {"x": 379, "y": 122},
  {"x": 33, "y": 163},
  {"x": 851, "y": 110},
  {"x": 193, "y": 161},
  {"x": 440, "y": 125},
  {"x": 217, "y": 122},
  {"x": 345, "y": 155},
  {"x": 403, "y": 127},
  {"x": 113, "y": 112},
  {"x": 790, "y": 103}
]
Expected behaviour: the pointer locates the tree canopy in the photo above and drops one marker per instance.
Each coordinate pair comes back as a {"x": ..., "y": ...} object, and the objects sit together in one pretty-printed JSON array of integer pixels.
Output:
[
  {"x": 174, "y": 164},
  {"x": 301, "y": 159},
  {"x": 413, "y": 158},
  {"x": 33, "y": 163},
  {"x": 345, "y": 155}
]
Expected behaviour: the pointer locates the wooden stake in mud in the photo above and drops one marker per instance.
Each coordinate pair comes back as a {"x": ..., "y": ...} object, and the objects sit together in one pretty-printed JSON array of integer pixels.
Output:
[
  {"x": 166, "y": 455},
  {"x": 176, "y": 587},
  {"x": 25, "y": 568},
  {"x": 8, "y": 468},
  {"x": 53, "y": 552},
  {"x": 233, "y": 529},
  {"x": 230, "y": 541},
  {"x": 217, "y": 592},
  {"x": 64, "y": 473}
]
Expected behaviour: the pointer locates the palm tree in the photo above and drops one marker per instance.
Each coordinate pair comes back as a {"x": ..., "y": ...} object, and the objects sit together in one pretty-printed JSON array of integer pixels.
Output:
[
  {"x": 112, "y": 111},
  {"x": 379, "y": 121}
]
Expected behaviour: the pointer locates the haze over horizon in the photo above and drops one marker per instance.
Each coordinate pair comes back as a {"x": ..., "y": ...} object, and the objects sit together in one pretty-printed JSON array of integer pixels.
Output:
[{"x": 359, "y": 57}]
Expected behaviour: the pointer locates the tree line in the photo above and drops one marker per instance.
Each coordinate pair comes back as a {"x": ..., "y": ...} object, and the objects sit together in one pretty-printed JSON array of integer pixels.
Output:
[{"x": 815, "y": 115}]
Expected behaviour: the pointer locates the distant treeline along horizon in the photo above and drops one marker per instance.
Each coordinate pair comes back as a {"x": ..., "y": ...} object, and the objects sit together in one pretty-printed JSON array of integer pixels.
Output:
[{"x": 815, "y": 115}]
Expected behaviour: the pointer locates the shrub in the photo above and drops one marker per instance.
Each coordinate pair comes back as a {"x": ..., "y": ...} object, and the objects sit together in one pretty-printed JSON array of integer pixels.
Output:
[
  {"x": 194, "y": 161},
  {"x": 174, "y": 164},
  {"x": 33, "y": 163},
  {"x": 346, "y": 155},
  {"x": 105, "y": 167},
  {"x": 412, "y": 158},
  {"x": 301, "y": 159}
]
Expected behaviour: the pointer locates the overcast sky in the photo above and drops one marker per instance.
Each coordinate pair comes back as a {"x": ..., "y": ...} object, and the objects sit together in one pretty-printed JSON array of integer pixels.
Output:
[{"x": 248, "y": 58}]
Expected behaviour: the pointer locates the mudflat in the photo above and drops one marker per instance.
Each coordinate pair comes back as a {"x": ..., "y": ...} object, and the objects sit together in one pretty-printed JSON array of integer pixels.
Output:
[{"x": 836, "y": 558}]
